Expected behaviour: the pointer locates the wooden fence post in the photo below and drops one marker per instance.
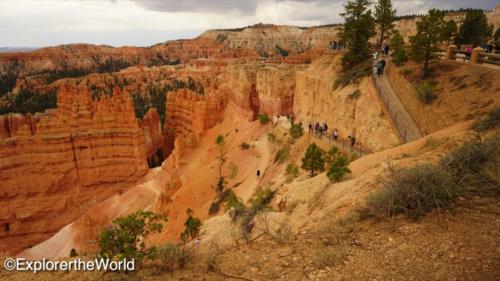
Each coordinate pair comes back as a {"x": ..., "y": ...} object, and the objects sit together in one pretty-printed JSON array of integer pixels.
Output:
[
  {"x": 450, "y": 52},
  {"x": 474, "y": 59}
]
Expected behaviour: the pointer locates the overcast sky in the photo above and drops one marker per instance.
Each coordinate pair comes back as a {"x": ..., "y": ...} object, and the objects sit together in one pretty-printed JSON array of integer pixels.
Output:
[{"x": 37, "y": 23}]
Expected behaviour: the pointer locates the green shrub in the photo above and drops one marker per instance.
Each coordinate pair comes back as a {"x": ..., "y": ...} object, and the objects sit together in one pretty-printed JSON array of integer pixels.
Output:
[
  {"x": 173, "y": 256},
  {"x": 244, "y": 146},
  {"x": 234, "y": 205},
  {"x": 191, "y": 226},
  {"x": 412, "y": 192},
  {"x": 313, "y": 160},
  {"x": 261, "y": 199},
  {"x": 473, "y": 166},
  {"x": 426, "y": 92},
  {"x": 291, "y": 171},
  {"x": 234, "y": 170},
  {"x": 296, "y": 131},
  {"x": 338, "y": 169},
  {"x": 282, "y": 154},
  {"x": 271, "y": 137},
  {"x": 490, "y": 121},
  {"x": 263, "y": 118},
  {"x": 126, "y": 237}
]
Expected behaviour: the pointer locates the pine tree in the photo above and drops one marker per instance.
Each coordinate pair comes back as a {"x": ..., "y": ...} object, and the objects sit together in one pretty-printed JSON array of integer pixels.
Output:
[
  {"x": 474, "y": 29},
  {"x": 221, "y": 144},
  {"x": 397, "y": 44},
  {"x": 313, "y": 159},
  {"x": 450, "y": 31},
  {"x": 429, "y": 36},
  {"x": 358, "y": 28},
  {"x": 384, "y": 18}
]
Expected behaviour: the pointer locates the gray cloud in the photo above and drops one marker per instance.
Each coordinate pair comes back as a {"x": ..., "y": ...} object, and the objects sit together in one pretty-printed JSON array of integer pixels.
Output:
[{"x": 249, "y": 7}]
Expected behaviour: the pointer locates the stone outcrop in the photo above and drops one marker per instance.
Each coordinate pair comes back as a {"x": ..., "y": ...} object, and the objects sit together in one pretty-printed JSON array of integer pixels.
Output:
[
  {"x": 272, "y": 40},
  {"x": 190, "y": 114},
  {"x": 261, "y": 88},
  {"x": 153, "y": 134},
  {"x": 352, "y": 110},
  {"x": 53, "y": 166}
]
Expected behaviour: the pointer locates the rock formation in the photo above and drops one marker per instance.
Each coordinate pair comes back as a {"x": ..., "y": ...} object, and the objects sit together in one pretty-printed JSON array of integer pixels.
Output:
[
  {"x": 352, "y": 110},
  {"x": 53, "y": 166}
]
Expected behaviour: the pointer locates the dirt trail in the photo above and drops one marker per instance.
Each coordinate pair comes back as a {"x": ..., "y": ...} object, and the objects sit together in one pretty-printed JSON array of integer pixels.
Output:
[{"x": 407, "y": 128}]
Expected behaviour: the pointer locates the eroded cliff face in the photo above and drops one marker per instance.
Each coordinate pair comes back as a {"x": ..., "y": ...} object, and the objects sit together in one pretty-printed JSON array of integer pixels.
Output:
[
  {"x": 190, "y": 114},
  {"x": 353, "y": 110},
  {"x": 261, "y": 88},
  {"x": 272, "y": 40},
  {"x": 54, "y": 166}
]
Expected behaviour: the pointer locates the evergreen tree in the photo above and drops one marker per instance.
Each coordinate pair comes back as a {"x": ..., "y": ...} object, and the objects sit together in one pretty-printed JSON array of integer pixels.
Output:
[
  {"x": 221, "y": 144},
  {"x": 429, "y": 36},
  {"x": 474, "y": 29},
  {"x": 313, "y": 159},
  {"x": 191, "y": 226},
  {"x": 358, "y": 28},
  {"x": 450, "y": 31},
  {"x": 384, "y": 18},
  {"x": 398, "y": 45}
]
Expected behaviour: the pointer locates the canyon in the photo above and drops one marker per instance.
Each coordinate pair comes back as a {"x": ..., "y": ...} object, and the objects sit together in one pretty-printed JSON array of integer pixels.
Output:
[{"x": 68, "y": 171}]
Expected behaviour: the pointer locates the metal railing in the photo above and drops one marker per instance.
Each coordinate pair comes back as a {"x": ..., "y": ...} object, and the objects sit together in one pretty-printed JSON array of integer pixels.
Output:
[{"x": 391, "y": 108}]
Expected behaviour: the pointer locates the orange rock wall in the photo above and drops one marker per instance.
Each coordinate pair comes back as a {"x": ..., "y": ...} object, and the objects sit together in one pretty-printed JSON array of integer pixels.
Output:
[
  {"x": 53, "y": 166},
  {"x": 189, "y": 115}
]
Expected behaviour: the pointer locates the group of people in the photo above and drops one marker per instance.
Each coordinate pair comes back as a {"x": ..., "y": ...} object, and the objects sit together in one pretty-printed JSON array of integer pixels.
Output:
[
  {"x": 379, "y": 67},
  {"x": 321, "y": 129}
]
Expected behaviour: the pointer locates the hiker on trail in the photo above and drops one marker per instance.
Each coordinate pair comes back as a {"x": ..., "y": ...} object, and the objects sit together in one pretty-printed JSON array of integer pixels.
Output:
[
  {"x": 316, "y": 129},
  {"x": 335, "y": 135},
  {"x": 310, "y": 128},
  {"x": 326, "y": 127},
  {"x": 382, "y": 66},
  {"x": 353, "y": 141},
  {"x": 379, "y": 68},
  {"x": 258, "y": 174},
  {"x": 386, "y": 49},
  {"x": 282, "y": 204},
  {"x": 468, "y": 53}
]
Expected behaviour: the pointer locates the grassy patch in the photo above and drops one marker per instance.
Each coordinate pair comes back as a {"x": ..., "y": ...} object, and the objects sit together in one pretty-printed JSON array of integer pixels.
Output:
[
  {"x": 490, "y": 121},
  {"x": 426, "y": 92},
  {"x": 263, "y": 118},
  {"x": 471, "y": 167}
]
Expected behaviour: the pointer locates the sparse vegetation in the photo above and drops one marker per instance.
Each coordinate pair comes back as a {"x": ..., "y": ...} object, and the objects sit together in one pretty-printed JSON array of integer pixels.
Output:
[
  {"x": 26, "y": 101},
  {"x": 173, "y": 255},
  {"x": 271, "y": 137},
  {"x": 291, "y": 172},
  {"x": 296, "y": 130},
  {"x": 313, "y": 160},
  {"x": 338, "y": 169},
  {"x": 490, "y": 121},
  {"x": 234, "y": 170},
  {"x": 353, "y": 74},
  {"x": 415, "y": 191},
  {"x": 125, "y": 237},
  {"x": 426, "y": 92},
  {"x": 191, "y": 226},
  {"x": 263, "y": 118},
  {"x": 282, "y": 154}
]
